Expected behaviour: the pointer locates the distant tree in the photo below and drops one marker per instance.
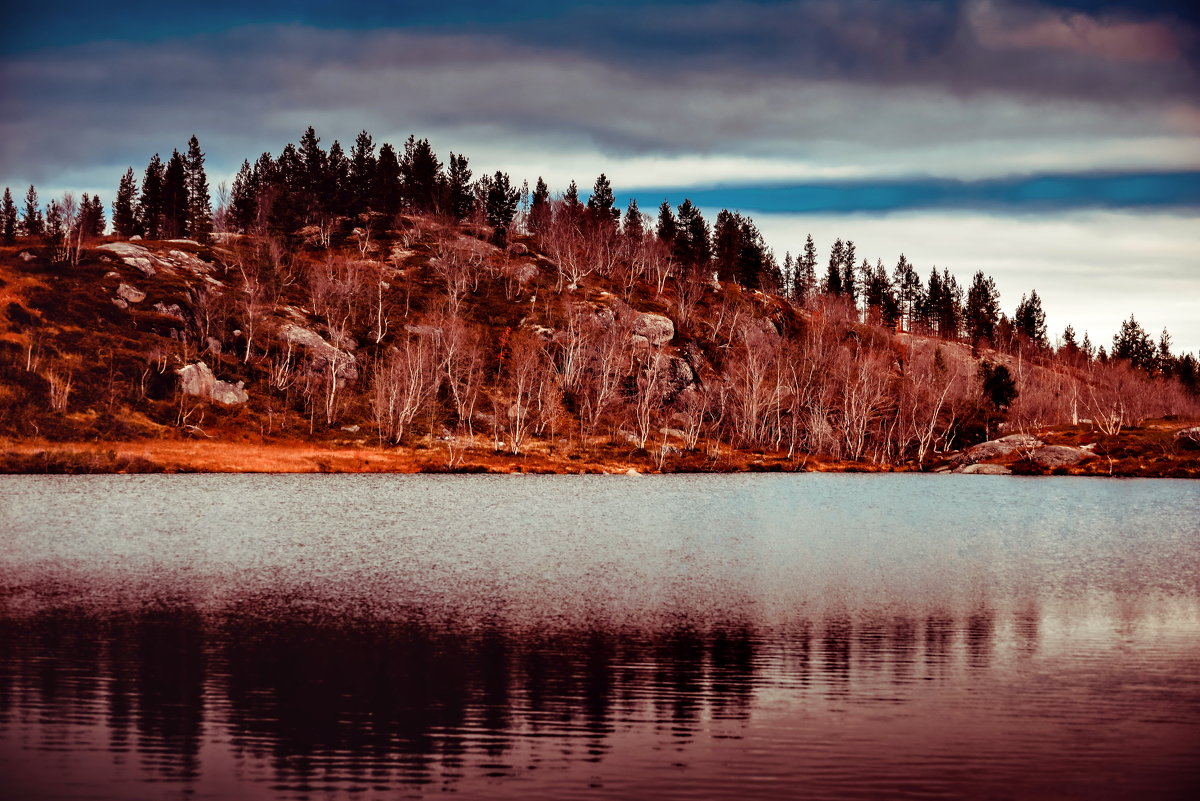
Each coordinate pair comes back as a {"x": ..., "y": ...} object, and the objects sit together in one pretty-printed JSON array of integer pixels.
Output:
[
  {"x": 804, "y": 282},
  {"x": 756, "y": 268},
  {"x": 502, "y": 199},
  {"x": 150, "y": 204},
  {"x": 91, "y": 220},
  {"x": 982, "y": 311},
  {"x": 1134, "y": 345},
  {"x": 601, "y": 204},
  {"x": 1163, "y": 360},
  {"x": 460, "y": 201},
  {"x": 909, "y": 292},
  {"x": 311, "y": 176},
  {"x": 334, "y": 197},
  {"x": 420, "y": 174},
  {"x": 363, "y": 166},
  {"x": 31, "y": 219},
  {"x": 56, "y": 222},
  {"x": 388, "y": 193},
  {"x": 634, "y": 225},
  {"x": 727, "y": 245},
  {"x": 949, "y": 308},
  {"x": 693, "y": 246},
  {"x": 125, "y": 217},
  {"x": 175, "y": 198},
  {"x": 848, "y": 264},
  {"x": 879, "y": 298},
  {"x": 8, "y": 218},
  {"x": 199, "y": 201},
  {"x": 833, "y": 276},
  {"x": 667, "y": 228},
  {"x": 1030, "y": 320},
  {"x": 539, "y": 209}
]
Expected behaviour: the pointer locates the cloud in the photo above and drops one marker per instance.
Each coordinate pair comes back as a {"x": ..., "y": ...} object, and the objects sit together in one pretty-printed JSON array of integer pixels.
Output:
[
  {"x": 1092, "y": 269},
  {"x": 254, "y": 88}
]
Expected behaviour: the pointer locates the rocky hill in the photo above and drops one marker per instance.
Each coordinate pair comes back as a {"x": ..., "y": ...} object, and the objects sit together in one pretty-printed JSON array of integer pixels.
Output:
[{"x": 426, "y": 346}]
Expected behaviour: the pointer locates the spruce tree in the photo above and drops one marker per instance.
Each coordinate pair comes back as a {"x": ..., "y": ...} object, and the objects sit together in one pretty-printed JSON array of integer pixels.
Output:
[
  {"x": 31, "y": 219},
  {"x": 983, "y": 309},
  {"x": 909, "y": 292},
  {"x": 754, "y": 269},
  {"x": 949, "y": 312},
  {"x": 386, "y": 184},
  {"x": 459, "y": 199},
  {"x": 1030, "y": 320},
  {"x": 363, "y": 166},
  {"x": 539, "y": 208},
  {"x": 175, "y": 198},
  {"x": 1134, "y": 345},
  {"x": 125, "y": 217},
  {"x": 502, "y": 201},
  {"x": 8, "y": 218},
  {"x": 310, "y": 178},
  {"x": 150, "y": 205},
  {"x": 601, "y": 204},
  {"x": 833, "y": 276},
  {"x": 333, "y": 198},
  {"x": 804, "y": 284},
  {"x": 634, "y": 227},
  {"x": 421, "y": 174},
  {"x": 727, "y": 245},
  {"x": 848, "y": 264},
  {"x": 199, "y": 201},
  {"x": 667, "y": 228}
]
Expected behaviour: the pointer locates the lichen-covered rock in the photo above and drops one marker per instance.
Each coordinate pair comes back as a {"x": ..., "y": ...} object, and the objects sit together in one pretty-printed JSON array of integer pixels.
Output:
[
  {"x": 996, "y": 448},
  {"x": 1188, "y": 438},
  {"x": 321, "y": 354},
  {"x": 655, "y": 329},
  {"x": 198, "y": 380},
  {"x": 130, "y": 294},
  {"x": 1052, "y": 456},
  {"x": 135, "y": 256},
  {"x": 984, "y": 470}
]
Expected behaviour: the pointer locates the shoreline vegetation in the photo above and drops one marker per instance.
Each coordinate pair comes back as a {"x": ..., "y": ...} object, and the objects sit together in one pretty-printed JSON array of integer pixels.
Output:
[
  {"x": 381, "y": 311},
  {"x": 1155, "y": 449}
]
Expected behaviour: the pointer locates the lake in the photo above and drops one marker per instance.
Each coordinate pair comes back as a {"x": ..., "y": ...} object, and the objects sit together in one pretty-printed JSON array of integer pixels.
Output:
[{"x": 557, "y": 637}]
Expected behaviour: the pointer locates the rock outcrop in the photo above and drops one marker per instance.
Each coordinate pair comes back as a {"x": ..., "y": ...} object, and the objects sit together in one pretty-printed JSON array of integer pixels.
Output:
[
  {"x": 984, "y": 470},
  {"x": 134, "y": 255},
  {"x": 1052, "y": 456},
  {"x": 654, "y": 329},
  {"x": 321, "y": 354},
  {"x": 130, "y": 294},
  {"x": 997, "y": 448},
  {"x": 1188, "y": 438},
  {"x": 197, "y": 379}
]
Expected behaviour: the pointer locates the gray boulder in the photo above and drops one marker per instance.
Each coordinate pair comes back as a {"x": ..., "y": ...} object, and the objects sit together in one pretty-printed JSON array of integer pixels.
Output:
[
  {"x": 1052, "y": 456},
  {"x": 134, "y": 255},
  {"x": 130, "y": 294},
  {"x": 984, "y": 470},
  {"x": 655, "y": 329},
  {"x": 198, "y": 380},
  {"x": 321, "y": 354},
  {"x": 1188, "y": 438},
  {"x": 997, "y": 448}
]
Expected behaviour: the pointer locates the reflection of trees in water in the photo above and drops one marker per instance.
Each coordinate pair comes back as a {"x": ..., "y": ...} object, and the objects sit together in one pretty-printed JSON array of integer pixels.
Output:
[{"x": 387, "y": 704}]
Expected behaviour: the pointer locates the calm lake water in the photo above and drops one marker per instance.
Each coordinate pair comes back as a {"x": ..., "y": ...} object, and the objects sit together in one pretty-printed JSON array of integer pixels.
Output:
[{"x": 558, "y": 637}]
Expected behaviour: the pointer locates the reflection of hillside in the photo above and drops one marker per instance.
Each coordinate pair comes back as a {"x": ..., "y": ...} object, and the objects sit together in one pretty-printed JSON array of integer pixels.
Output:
[{"x": 398, "y": 704}]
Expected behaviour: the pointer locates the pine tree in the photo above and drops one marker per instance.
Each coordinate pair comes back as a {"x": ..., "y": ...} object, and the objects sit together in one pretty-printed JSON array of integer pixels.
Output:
[
  {"x": 804, "y": 283},
  {"x": 727, "y": 245},
  {"x": 878, "y": 297},
  {"x": 8, "y": 218},
  {"x": 949, "y": 311},
  {"x": 175, "y": 198},
  {"x": 386, "y": 184},
  {"x": 1030, "y": 320},
  {"x": 502, "y": 201},
  {"x": 693, "y": 247},
  {"x": 1134, "y": 345},
  {"x": 125, "y": 217},
  {"x": 754, "y": 269},
  {"x": 333, "y": 199},
  {"x": 909, "y": 292},
  {"x": 363, "y": 166},
  {"x": 848, "y": 264},
  {"x": 243, "y": 199},
  {"x": 421, "y": 173},
  {"x": 667, "y": 228},
  {"x": 1163, "y": 360},
  {"x": 150, "y": 205},
  {"x": 460, "y": 202},
  {"x": 983, "y": 309},
  {"x": 199, "y": 201},
  {"x": 634, "y": 227},
  {"x": 311, "y": 178},
  {"x": 91, "y": 220},
  {"x": 601, "y": 205},
  {"x": 833, "y": 276},
  {"x": 539, "y": 208},
  {"x": 31, "y": 219}
]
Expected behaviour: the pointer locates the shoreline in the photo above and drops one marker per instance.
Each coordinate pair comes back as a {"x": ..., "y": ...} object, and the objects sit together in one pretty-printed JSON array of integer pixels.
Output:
[{"x": 1148, "y": 451}]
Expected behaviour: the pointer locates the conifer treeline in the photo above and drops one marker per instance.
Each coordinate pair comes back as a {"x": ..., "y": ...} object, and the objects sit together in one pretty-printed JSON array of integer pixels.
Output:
[{"x": 309, "y": 187}]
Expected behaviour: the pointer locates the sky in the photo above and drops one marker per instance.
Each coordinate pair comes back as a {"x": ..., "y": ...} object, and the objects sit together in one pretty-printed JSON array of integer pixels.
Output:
[{"x": 1054, "y": 144}]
